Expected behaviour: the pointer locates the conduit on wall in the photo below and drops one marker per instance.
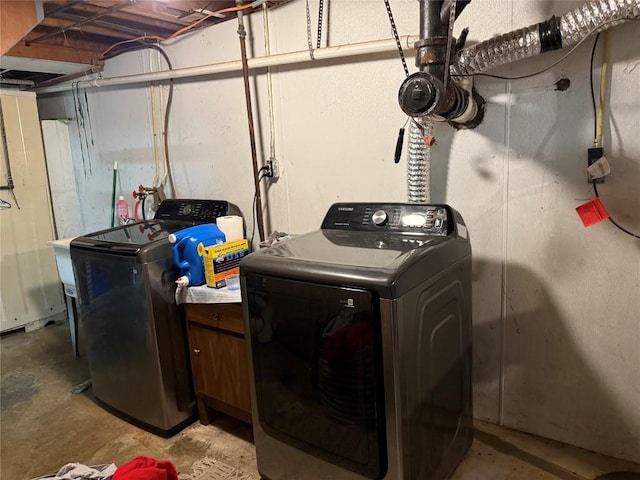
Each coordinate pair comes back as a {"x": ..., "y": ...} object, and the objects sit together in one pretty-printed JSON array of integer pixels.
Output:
[{"x": 341, "y": 51}]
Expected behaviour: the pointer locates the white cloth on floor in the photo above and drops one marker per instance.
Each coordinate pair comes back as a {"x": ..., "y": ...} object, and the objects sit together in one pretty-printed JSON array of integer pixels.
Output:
[{"x": 78, "y": 471}]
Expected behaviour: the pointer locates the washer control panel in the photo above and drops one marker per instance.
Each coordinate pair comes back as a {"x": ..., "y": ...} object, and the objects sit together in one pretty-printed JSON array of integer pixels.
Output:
[
  {"x": 403, "y": 218},
  {"x": 192, "y": 210}
]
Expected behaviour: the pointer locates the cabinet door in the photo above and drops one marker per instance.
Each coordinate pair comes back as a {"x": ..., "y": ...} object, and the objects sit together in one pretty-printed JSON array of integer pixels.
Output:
[{"x": 220, "y": 367}]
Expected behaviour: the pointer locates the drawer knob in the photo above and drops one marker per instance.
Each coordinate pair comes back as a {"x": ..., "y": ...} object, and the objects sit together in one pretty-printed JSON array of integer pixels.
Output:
[
  {"x": 215, "y": 316},
  {"x": 196, "y": 351}
]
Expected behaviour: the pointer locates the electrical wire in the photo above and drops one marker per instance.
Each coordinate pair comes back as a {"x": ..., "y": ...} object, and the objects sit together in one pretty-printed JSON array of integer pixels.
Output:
[
  {"x": 604, "y": 75},
  {"x": 528, "y": 75},
  {"x": 598, "y": 118},
  {"x": 255, "y": 199},
  {"x": 593, "y": 95},
  {"x": 616, "y": 224}
]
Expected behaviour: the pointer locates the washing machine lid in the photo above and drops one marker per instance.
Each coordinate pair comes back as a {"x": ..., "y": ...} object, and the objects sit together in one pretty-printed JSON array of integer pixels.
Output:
[
  {"x": 143, "y": 237},
  {"x": 352, "y": 249},
  {"x": 130, "y": 239}
]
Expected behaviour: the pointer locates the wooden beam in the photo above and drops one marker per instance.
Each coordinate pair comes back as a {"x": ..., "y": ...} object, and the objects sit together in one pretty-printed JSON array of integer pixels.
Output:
[
  {"x": 135, "y": 14},
  {"x": 106, "y": 12},
  {"x": 76, "y": 41},
  {"x": 136, "y": 29},
  {"x": 92, "y": 29},
  {"x": 16, "y": 20},
  {"x": 56, "y": 53}
]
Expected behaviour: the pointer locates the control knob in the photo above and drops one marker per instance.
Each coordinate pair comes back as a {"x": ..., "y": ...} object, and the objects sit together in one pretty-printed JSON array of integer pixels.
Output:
[{"x": 379, "y": 218}]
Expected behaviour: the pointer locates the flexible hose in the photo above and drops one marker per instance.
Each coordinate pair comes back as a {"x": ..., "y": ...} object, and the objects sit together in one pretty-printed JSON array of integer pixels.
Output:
[
  {"x": 419, "y": 161},
  {"x": 552, "y": 34}
]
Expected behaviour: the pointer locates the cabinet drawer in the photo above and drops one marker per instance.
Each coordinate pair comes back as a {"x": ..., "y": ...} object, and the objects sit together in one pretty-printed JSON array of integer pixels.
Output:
[{"x": 225, "y": 316}]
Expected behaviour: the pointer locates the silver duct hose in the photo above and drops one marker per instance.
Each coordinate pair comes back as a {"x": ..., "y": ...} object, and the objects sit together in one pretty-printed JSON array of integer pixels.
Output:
[
  {"x": 575, "y": 25},
  {"x": 419, "y": 161}
]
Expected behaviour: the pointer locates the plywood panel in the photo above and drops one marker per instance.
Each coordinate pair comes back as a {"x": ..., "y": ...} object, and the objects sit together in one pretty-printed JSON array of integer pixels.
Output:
[
  {"x": 17, "y": 19},
  {"x": 30, "y": 288}
]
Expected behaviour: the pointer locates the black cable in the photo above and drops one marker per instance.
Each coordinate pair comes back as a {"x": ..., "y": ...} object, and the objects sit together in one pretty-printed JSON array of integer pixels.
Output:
[
  {"x": 595, "y": 131},
  {"x": 595, "y": 190},
  {"x": 144, "y": 215},
  {"x": 593, "y": 95},
  {"x": 395, "y": 35},
  {"x": 400, "y": 140},
  {"x": 253, "y": 208}
]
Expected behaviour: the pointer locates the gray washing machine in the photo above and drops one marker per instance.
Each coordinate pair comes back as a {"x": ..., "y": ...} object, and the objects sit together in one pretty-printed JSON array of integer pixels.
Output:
[
  {"x": 136, "y": 342},
  {"x": 359, "y": 339}
]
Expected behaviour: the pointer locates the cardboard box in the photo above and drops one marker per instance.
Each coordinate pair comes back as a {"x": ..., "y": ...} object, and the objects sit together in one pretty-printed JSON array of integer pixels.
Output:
[{"x": 222, "y": 260}]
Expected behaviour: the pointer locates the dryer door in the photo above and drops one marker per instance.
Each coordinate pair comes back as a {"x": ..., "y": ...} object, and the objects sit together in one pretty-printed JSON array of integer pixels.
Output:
[{"x": 317, "y": 370}]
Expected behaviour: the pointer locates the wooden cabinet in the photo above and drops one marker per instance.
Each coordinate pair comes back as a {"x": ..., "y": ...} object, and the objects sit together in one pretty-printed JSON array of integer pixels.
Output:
[{"x": 219, "y": 360}]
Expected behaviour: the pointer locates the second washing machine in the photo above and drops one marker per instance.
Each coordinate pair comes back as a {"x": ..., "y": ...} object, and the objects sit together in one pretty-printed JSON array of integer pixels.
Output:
[{"x": 360, "y": 346}]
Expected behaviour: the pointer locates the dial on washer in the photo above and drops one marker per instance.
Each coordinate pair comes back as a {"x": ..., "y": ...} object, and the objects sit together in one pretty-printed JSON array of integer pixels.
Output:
[{"x": 379, "y": 218}]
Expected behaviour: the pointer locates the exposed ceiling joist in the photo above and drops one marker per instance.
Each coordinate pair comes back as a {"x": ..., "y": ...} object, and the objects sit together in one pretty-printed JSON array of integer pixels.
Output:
[{"x": 70, "y": 38}]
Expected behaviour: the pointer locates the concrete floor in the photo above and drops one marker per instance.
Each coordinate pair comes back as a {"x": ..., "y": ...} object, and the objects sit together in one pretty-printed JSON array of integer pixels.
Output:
[{"x": 44, "y": 426}]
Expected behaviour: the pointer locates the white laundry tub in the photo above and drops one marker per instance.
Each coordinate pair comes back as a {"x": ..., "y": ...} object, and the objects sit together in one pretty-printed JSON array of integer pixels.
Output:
[{"x": 62, "y": 249}]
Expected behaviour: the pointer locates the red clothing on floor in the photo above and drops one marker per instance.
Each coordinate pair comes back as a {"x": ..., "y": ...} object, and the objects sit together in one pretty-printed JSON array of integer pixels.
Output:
[{"x": 145, "y": 468}]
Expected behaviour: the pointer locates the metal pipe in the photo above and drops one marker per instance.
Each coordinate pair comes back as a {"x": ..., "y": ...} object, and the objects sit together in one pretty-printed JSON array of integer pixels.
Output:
[
  {"x": 431, "y": 49},
  {"x": 340, "y": 51},
  {"x": 252, "y": 137},
  {"x": 446, "y": 5},
  {"x": 431, "y": 25}
]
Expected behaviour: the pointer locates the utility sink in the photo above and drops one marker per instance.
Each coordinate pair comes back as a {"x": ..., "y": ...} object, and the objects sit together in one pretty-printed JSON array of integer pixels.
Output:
[{"x": 62, "y": 249}]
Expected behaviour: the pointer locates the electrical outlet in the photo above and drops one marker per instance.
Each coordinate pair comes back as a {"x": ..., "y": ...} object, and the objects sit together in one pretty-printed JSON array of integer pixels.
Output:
[{"x": 272, "y": 168}]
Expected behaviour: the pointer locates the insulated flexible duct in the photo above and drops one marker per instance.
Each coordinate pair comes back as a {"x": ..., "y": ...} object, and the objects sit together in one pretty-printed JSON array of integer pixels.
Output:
[
  {"x": 553, "y": 34},
  {"x": 419, "y": 161}
]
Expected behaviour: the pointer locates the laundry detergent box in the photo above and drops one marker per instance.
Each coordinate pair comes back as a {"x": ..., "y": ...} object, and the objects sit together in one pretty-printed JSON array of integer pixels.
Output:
[{"x": 222, "y": 260}]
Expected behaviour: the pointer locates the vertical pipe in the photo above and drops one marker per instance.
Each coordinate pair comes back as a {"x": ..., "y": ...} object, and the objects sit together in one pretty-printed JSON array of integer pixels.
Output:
[
  {"x": 252, "y": 137},
  {"x": 430, "y": 24}
]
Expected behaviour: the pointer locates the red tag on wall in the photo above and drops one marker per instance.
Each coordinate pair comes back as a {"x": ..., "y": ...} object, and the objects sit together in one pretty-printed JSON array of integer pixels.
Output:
[{"x": 592, "y": 212}]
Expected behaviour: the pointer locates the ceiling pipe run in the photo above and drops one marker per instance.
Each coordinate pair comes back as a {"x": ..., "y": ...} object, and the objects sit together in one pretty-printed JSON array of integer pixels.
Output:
[{"x": 340, "y": 51}]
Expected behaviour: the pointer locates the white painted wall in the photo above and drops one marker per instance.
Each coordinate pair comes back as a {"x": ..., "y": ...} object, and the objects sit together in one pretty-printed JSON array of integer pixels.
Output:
[{"x": 556, "y": 306}]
